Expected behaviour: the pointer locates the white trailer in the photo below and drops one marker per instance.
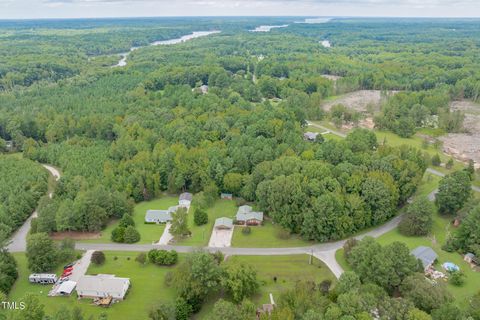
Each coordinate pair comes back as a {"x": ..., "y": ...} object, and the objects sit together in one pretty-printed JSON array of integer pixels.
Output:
[{"x": 43, "y": 278}]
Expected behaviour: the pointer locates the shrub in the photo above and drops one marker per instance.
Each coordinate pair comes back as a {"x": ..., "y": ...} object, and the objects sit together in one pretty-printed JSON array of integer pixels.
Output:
[
  {"x": 218, "y": 256},
  {"x": 141, "y": 258},
  {"x": 457, "y": 278},
  {"x": 163, "y": 257},
  {"x": 200, "y": 217},
  {"x": 98, "y": 258},
  {"x": 436, "y": 160},
  {"x": 246, "y": 230},
  {"x": 348, "y": 246},
  {"x": 126, "y": 221},
  {"x": 131, "y": 235},
  {"x": 118, "y": 234}
]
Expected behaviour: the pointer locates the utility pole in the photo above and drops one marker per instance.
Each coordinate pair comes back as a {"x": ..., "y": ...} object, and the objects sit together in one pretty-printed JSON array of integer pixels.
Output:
[{"x": 311, "y": 257}]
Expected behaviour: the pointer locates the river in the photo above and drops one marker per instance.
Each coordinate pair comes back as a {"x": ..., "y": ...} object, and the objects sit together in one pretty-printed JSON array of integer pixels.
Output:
[
  {"x": 268, "y": 28},
  {"x": 196, "y": 34}
]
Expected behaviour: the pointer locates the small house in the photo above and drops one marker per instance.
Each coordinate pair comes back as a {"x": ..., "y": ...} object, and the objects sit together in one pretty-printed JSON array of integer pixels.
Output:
[
  {"x": 246, "y": 216},
  {"x": 469, "y": 258},
  {"x": 43, "y": 278},
  {"x": 226, "y": 196},
  {"x": 185, "y": 200},
  {"x": 223, "y": 224},
  {"x": 426, "y": 255},
  {"x": 310, "y": 136},
  {"x": 102, "y": 286},
  {"x": 158, "y": 216},
  {"x": 204, "y": 89}
]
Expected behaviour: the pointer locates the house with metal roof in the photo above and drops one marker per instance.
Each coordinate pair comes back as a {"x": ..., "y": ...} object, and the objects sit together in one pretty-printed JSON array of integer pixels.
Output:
[
  {"x": 426, "y": 255},
  {"x": 102, "y": 286},
  {"x": 246, "y": 216},
  {"x": 158, "y": 216},
  {"x": 185, "y": 200},
  {"x": 223, "y": 223},
  {"x": 310, "y": 136}
]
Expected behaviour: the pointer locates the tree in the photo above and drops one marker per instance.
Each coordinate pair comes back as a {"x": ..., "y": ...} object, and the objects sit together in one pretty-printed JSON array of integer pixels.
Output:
[
  {"x": 418, "y": 219},
  {"x": 425, "y": 295},
  {"x": 98, "y": 258},
  {"x": 141, "y": 258},
  {"x": 183, "y": 310},
  {"x": 436, "y": 161},
  {"x": 163, "y": 312},
  {"x": 467, "y": 237},
  {"x": 416, "y": 314},
  {"x": 454, "y": 190},
  {"x": 196, "y": 277},
  {"x": 348, "y": 281},
  {"x": 449, "y": 165},
  {"x": 240, "y": 281},
  {"x": 118, "y": 234},
  {"x": 41, "y": 253},
  {"x": 126, "y": 221},
  {"x": 34, "y": 310},
  {"x": 233, "y": 182},
  {"x": 8, "y": 271},
  {"x": 200, "y": 216},
  {"x": 131, "y": 235},
  {"x": 457, "y": 278},
  {"x": 66, "y": 252},
  {"x": 180, "y": 223}
]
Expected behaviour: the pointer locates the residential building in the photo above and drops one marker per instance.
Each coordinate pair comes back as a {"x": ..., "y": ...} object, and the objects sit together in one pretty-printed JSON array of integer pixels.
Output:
[{"x": 102, "y": 286}]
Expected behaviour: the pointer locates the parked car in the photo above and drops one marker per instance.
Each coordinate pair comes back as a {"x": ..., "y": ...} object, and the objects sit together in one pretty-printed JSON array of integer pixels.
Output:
[
  {"x": 66, "y": 274},
  {"x": 69, "y": 266}
]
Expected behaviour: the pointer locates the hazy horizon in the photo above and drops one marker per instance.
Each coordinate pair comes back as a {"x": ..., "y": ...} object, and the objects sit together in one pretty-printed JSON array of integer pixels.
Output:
[{"x": 68, "y": 9}]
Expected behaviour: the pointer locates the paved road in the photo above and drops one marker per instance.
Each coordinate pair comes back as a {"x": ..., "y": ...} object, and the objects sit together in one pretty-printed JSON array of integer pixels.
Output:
[
  {"x": 441, "y": 174},
  {"x": 324, "y": 251},
  {"x": 18, "y": 242}
]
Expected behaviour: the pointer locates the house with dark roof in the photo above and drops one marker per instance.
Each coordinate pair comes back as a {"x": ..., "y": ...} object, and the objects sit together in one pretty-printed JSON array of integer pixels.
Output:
[
  {"x": 310, "y": 136},
  {"x": 426, "y": 255}
]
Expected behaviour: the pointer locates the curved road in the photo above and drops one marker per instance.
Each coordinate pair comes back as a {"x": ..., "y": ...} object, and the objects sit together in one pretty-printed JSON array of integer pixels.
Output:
[{"x": 18, "y": 242}]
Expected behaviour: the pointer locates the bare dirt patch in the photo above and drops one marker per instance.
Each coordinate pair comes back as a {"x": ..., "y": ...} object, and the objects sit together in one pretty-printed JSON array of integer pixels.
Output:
[
  {"x": 359, "y": 100},
  {"x": 75, "y": 235},
  {"x": 331, "y": 77},
  {"x": 465, "y": 146}
]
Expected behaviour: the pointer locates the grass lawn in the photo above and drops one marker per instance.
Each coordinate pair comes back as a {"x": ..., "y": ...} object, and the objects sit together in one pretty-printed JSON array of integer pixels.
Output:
[
  {"x": 147, "y": 288},
  {"x": 265, "y": 237},
  {"x": 149, "y": 232},
  {"x": 201, "y": 234},
  {"x": 287, "y": 269}
]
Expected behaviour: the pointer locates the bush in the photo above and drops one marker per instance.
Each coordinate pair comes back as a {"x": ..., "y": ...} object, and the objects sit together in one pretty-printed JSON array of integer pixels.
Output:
[
  {"x": 118, "y": 234},
  {"x": 418, "y": 218},
  {"x": 218, "y": 256},
  {"x": 348, "y": 246},
  {"x": 98, "y": 258},
  {"x": 126, "y": 221},
  {"x": 131, "y": 235},
  {"x": 436, "y": 161},
  {"x": 240, "y": 202},
  {"x": 200, "y": 217},
  {"x": 246, "y": 230},
  {"x": 457, "y": 278},
  {"x": 163, "y": 257}
]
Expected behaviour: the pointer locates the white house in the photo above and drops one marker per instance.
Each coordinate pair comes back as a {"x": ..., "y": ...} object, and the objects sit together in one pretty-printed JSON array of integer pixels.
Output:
[
  {"x": 185, "y": 200},
  {"x": 158, "y": 216},
  {"x": 102, "y": 286}
]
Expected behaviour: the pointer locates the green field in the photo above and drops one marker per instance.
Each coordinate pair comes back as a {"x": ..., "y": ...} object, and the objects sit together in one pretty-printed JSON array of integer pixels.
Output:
[
  {"x": 149, "y": 232},
  {"x": 201, "y": 234},
  {"x": 288, "y": 270},
  {"x": 265, "y": 236},
  {"x": 147, "y": 288}
]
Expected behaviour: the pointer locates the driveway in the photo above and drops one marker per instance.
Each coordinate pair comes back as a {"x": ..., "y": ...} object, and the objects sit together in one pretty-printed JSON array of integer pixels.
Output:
[
  {"x": 18, "y": 242},
  {"x": 221, "y": 238},
  {"x": 79, "y": 270},
  {"x": 166, "y": 236}
]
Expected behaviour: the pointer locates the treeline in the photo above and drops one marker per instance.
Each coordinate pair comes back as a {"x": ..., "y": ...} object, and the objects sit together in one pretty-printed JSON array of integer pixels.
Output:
[
  {"x": 22, "y": 183},
  {"x": 337, "y": 189}
]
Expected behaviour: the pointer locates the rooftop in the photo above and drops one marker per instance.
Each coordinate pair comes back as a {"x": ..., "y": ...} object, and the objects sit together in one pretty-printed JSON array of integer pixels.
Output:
[{"x": 425, "y": 254}]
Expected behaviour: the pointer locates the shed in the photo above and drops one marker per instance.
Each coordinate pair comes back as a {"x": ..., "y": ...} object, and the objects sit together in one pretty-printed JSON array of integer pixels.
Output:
[
  {"x": 185, "y": 199},
  {"x": 426, "y": 255},
  {"x": 102, "y": 286},
  {"x": 469, "y": 257},
  {"x": 310, "y": 136},
  {"x": 226, "y": 196},
  {"x": 66, "y": 288},
  {"x": 223, "y": 223},
  {"x": 158, "y": 216}
]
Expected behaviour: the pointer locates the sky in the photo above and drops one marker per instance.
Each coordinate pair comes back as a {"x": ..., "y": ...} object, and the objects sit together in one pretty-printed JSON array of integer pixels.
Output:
[{"x": 29, "y": 9}]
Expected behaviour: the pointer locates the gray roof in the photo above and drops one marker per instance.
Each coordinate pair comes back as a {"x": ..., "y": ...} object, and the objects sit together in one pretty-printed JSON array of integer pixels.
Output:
[
  {"x": 103, "y": 283},
  {"x": 425, "y": 254},
  {"x": 310, "y": 135},
  {"x": 224, "y": 222},
  {"x": 249, "y": 216},
  {"x": 470, "y": 255},
  {"x": 244, "y": 209},
  {"x": 160, "y": 215},
  {"x": 186, "y": 196}
]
